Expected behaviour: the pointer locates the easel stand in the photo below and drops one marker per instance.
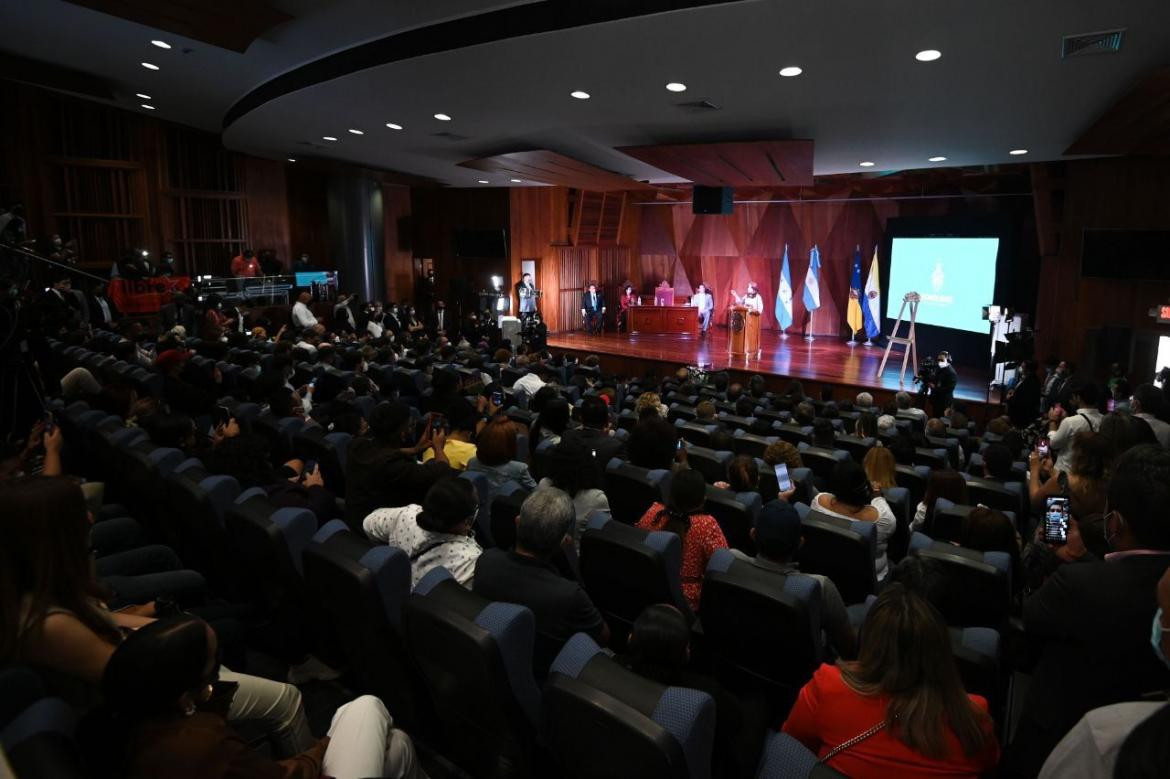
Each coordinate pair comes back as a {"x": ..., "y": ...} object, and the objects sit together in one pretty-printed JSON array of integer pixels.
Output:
[{"x": 907, "y": 341}]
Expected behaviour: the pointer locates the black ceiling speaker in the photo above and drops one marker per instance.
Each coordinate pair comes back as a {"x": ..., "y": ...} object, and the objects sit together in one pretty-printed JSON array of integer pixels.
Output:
[{"x": 712, "y": 200}]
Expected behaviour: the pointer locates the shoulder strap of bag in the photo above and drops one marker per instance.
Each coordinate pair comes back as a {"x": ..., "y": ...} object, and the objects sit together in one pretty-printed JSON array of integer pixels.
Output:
[{"x": 873, "y": 731}]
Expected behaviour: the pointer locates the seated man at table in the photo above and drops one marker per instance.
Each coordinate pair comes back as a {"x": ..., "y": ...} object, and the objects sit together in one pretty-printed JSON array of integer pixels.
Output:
[
  {"x": 593, "y": 309},
  {"x": 703, "y": 301}
]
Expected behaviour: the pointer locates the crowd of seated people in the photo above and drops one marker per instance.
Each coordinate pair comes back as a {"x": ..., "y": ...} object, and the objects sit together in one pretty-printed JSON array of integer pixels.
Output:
[{"x": 414, "y": 441}]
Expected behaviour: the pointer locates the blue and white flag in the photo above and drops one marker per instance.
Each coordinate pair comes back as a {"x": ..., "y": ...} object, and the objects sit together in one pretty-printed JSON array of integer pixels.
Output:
[
  {"x": 812, "y": 286},
  {"x": 871, "y": 310},
  {"x": 784, "y": 294}
]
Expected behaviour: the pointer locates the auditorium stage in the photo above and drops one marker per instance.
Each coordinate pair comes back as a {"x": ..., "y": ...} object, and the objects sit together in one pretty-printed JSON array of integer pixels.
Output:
[{"x": 822, "y": 361}]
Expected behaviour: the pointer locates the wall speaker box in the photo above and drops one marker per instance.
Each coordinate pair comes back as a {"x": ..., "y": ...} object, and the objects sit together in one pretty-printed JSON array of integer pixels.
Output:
[{"x": 712, "y": 200}]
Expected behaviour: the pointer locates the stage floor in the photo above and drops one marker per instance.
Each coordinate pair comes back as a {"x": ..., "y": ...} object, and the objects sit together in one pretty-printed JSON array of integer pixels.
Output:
[{"x": 824, "y": 360}]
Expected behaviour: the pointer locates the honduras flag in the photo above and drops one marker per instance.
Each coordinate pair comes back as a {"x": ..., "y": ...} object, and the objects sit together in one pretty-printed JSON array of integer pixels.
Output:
[
  {"x": 853, "y": 315},
  {"x": 784, "y": 294},
  {"x": 871, "y": 310},
  {"x": 812, "y": 287}
]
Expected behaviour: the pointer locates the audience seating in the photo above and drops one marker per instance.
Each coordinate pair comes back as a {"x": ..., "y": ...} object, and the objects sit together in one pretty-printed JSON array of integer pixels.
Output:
[
  {"x": 328, "y": 450},
  {"x": 505, "y": 507},
  {"x": 736, "y": 514},
  {"x": 979, "y": 584},
  {"x": 36, "y": 731},
  {"x": 751, "y": 444},
  {"x": 602, "y": 720},
  {"x": 695, "y": 433},
  {"x": 631, "y": 490},
  {"x": 786, "y": 758},
  {"x": 712, "y": 464},
  {"x": 914, "y": 479},
  {"x": 841, "y": 549},
  {"x": 194, "y": 522}
]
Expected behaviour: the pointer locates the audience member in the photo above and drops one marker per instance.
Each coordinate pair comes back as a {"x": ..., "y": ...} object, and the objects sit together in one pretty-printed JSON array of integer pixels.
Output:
[
  {"x": 905, "y": 404},
  {"x": 578, "y": 473},
  {"x": 495, "y": 455},
  {"x": 949, "y": 485},
  {"x": 653, "y": 443},
  {"x": 1064, "y": 425},
  {"x": 459, "y": 446},
  {"x": 880, "y": 468},
  {"x": 850, "y": 496},
  {"x": 1148, "y": 403},
  {"x": 595, "y": 433},
  {"x": 783, "y": 452}
]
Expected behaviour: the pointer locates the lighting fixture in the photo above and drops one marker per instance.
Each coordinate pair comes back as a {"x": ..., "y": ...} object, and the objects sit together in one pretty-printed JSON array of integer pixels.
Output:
[
  {"x": 328, "y": 138},
  {"x": 791, "y": 71},
  {"x": 150, "y": 66},
  {"x": 142, "y": 96},
  {"x": 292, "y": 159},
  {"x": 937, "y": 159},
  {"x": 928, "y": 55},
  {"x": 483, "y": 181},
  {"x": 442, "y": 117},
  {"x": 866, "y": 164},
  {"x": 393, "y": 126},
  {"x": 148, "y": 106},
  {"x": 676, "y": 86},
  {"x": 580, "y": 95},
  {"x": 161, "y": 44},
  {"x": 1017, "y": 152},
  {"x": 356, "y": 132},
  {"x": 515, "y": 181}
]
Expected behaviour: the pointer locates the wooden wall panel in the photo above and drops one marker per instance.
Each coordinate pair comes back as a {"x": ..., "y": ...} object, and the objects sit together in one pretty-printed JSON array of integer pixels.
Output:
[
  {"x": 308, "y": 216},
  {"x": 575, "y": 265},
  {"x": 539, "y": 223},
  {"x": 267, "y": 196},
  {"x": 396, "y": 218}
]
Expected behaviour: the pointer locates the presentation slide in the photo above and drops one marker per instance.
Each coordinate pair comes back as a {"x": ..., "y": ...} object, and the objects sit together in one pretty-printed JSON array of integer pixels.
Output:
[{"x": 955, "y": 278}]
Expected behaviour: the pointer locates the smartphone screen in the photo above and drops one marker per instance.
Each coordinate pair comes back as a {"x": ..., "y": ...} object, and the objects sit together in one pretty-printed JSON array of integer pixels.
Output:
[
  {"x": 1042, "y": 447},
  {"x": 310, "y": 466},
  {"x": 1111, "y": 405},
  {"x": 1056, "y": 520},
  {"x": 497, "y": 398},
  {"x": 782, "y": 477},
  {"x": 680, "y": 445}
]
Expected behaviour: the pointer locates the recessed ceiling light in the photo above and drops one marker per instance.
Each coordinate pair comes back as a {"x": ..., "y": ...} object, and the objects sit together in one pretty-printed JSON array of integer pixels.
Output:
[
  {"x": 1017, "y": 152},
  {"x": 393, "y": 126},
  {"x": 928, "y": 55},
  {"x": 866, "y": 164},
  {"x": 442, "y": 117},
  {"x": 515, "y": 181},
  {"x": 328, "y": 138},
  {"x": 356, "y": 132},
  {"x": 937, "y": 159},
  {"x": 150, "y": 66},
  {"x": 790, "y": 71},
  {"x": 161, "y": 44},
  {"x": 142, "y": 96},
  {"x": 292, "y": 159},
  {"x": 580, "y": 95},
  {"x": 676, "y": 86},
  {"x": 148, "y": 107},
  {"x": 483, "y": 181}
]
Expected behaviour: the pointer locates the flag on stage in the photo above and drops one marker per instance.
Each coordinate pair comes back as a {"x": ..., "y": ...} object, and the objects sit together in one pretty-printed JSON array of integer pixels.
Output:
[
  {"x": 812, "y": 287},
  {"x": 871, "y": 311},
  {"x": 784, "y": 294},
  {"x": 853, "y": 315}
]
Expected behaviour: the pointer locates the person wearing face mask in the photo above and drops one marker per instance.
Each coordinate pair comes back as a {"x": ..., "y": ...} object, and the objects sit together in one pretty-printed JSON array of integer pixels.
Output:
[
  {"x": 1099, "y": 613},
  {"x": 942, "y": 386},
  {"x": 382, "y": 468}
]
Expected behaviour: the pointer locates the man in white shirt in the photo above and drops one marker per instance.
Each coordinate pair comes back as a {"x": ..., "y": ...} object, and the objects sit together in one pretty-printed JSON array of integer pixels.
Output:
[
  {"x": 1063, "y": 426},
  {"x": 343, "y": 314},
  {"x": 302, "y": 315},
  {"x": 1147, "y": 404},
  {"x": 530, "y": 382},
  {"x": 703, "y": 301}
]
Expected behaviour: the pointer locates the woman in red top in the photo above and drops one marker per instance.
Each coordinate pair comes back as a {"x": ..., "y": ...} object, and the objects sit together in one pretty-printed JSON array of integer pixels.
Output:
[
  {"x": 628, "y": 298},
  {"x": 700, "y": 533},
  {"x": 901, "y": 704}
]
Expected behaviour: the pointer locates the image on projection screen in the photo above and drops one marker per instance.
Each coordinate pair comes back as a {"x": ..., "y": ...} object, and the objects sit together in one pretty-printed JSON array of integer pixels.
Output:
[{"x": 955, "y": 278}]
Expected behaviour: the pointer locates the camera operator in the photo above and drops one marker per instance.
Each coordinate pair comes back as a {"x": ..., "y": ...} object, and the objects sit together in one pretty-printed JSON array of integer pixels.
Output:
[{"x": 940, "y": 379}]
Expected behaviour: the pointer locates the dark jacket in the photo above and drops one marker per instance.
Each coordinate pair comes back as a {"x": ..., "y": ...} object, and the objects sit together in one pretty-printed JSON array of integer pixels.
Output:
[
  {"x": 606, "y": 446},
  {"x": 378, "y": 475},
  {"x": 590, "y": 309},
  {"x": 95, "y": 311},
  {"x": 1024, "y": 404},
  {"x": 179, "y": 314}
]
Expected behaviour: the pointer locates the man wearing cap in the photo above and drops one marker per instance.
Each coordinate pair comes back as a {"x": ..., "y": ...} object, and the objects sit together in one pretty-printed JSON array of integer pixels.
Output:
[
  {"x": 382, "y": 468},
  {"x": 777, "y": 537}
]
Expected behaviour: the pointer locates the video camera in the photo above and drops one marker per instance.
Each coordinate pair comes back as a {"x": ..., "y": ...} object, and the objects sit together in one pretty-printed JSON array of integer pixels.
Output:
[{"x": 927, "y": 370}]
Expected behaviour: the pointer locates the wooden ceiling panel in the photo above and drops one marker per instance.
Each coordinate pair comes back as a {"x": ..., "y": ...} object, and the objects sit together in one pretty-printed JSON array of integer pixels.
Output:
[
  {"x": 228, "y": 24},
  {"x": 1137, "y": 124},
  {"x": 734, "y": 164},
  {"x": 547, "y": 167}
]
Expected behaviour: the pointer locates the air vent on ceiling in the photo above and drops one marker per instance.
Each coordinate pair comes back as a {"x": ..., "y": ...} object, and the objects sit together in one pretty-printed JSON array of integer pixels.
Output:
[
  {"x": 698, "y": 106},
  {"x": 451, "y": 136},
  {"x": 1104, "y": 42}
]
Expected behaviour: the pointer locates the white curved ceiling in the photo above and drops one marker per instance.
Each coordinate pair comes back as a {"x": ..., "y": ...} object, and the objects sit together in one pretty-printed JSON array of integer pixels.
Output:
[{"x": 1000, "y": 84}]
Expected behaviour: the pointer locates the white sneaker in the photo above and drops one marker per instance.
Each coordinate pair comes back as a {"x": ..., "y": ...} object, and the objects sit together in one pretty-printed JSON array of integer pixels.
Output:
[{"x": 311, "y": 669}]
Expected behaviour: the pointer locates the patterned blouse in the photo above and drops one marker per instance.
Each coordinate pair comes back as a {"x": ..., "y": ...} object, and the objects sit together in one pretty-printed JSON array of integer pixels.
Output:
[
  {"x": 700, "y": 543},
  {"x": 426, "y": 550}
]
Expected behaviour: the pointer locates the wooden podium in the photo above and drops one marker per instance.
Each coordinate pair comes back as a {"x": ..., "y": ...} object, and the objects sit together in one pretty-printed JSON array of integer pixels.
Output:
[{"x": 743, "y": 332}]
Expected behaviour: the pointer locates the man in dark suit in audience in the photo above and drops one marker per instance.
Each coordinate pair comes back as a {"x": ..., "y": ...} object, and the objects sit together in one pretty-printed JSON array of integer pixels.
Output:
[
  {"x": 593, "y": 309},
  {"x": 594, "y": 433},
  {"x": 179, "y": 311},
  {"x": 1091, "y": 620},
  {"x": 102, "y": 311},
  {"x": 439, "y": 321},
  {"x": 528, "y": 576},
  {"x": 59, "y": 307}
]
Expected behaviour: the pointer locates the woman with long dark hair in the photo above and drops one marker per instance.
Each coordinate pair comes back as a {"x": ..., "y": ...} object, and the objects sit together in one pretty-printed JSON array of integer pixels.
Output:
[
  {"x": 700, "y": 533},
  {"x": 851, "y": 496},
  {"x": 900, "y": 709}
]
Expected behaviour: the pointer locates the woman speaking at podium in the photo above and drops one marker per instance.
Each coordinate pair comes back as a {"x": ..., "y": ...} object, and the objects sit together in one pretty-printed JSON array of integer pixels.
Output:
[{"x": 753, "y": 300}]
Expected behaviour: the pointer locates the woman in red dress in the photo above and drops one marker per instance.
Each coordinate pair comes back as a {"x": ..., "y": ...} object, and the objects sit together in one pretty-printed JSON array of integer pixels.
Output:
[
  {"x": 900, "y": 709},
  {"x": 629, "y": 298}
]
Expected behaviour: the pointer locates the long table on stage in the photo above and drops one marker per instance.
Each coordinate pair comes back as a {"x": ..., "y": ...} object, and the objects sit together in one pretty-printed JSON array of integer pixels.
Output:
[{"x": 663, "y": 320}]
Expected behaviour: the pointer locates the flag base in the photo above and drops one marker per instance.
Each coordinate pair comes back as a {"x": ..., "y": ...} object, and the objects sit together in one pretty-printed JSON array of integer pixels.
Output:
[
  {"x": 851, "y": 342},
  {"x": 783, "y": 334},
  {"x": 869, "y": 343},
  {"x": 809, "y": 338}
]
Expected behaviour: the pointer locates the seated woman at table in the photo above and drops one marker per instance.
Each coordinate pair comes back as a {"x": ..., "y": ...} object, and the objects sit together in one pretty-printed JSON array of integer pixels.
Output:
[{"x": 628, "y": 299}]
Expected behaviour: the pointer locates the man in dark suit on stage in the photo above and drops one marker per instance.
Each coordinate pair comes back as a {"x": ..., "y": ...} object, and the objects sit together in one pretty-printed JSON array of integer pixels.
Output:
[
  {"x": 942, "y": 391},
  {"x": 593, "y": 309}
]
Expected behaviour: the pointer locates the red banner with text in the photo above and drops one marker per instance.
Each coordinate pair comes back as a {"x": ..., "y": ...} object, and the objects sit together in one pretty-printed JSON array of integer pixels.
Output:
[{"x": 145, "y": 296}]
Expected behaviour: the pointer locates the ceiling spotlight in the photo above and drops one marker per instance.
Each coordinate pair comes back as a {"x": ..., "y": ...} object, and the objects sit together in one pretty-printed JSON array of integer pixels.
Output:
[
  {"x": 328, "y": 138},
  {"x": 579, "y": 95},
  {"x": 675, "y": 86},
  {"x": 142, "y": 96},
  {"x": 866, "y": 164},
  {"x": 937, "y": 159},
  {"x": 1017, "y": 152},
  {"x": 148, "y": 107},
  {"x": 393, "y": 126},
  {"x": 790, "y": 71},
  {"x": 442, "y": 117},
  {"x": 515, "y": 181},
  {"x": 150, "y": 66},
  {"x": 483, "y": 181},
  {"x": 161, "y": 44},
  {"x": 928, "y": 55},
  {"x": 356, "y": 132}
]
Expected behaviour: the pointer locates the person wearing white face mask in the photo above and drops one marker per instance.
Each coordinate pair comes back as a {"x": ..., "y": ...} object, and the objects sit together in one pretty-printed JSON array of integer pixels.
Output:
[{"x": 942, "y": 388}]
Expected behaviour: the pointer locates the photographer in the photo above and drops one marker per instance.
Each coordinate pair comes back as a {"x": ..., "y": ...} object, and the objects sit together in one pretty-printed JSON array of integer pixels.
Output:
[{"x": 941, "y": 381}]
